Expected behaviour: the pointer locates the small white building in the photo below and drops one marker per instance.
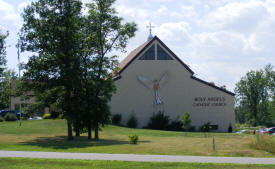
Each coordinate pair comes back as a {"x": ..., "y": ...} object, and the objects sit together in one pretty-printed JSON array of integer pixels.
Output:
[{"x": 152, "y": 78}]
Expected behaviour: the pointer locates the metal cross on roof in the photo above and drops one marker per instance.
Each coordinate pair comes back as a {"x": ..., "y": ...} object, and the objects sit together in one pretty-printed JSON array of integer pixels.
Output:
[{"x": 150, "y": 26}]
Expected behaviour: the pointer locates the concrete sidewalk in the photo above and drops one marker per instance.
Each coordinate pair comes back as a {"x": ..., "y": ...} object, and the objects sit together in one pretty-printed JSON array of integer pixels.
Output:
[{"x": 135, "y": 157}]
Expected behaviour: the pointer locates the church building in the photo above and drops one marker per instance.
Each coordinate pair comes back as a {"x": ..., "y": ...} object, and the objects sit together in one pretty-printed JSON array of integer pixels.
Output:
[{"x": 152, "y": 78}]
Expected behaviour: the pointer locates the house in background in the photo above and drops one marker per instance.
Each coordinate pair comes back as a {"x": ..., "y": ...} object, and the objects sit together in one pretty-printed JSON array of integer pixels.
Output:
[{"x": 15, "y": 101}]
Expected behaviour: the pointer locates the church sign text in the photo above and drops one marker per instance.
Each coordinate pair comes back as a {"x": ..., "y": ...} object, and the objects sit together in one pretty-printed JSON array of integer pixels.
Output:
[{"x": 209, "y": 101}]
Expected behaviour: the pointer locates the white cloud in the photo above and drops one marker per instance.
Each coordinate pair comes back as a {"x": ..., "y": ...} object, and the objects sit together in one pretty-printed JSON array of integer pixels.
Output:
[
  {"x": 174, "y": 31},
  {"x": 188, "y": 11},
  {"x": 263, "y": 42},
  {"x": 132, "y": 12},
  {"x": 162, "y": 9},
  {"x": 219, "y": 45},
  {"x": 8, "y": 12},
  {"x": 221, "y": 73},
  {"x": 183, "y": 12},
  {"x": 237, "y": 16}
]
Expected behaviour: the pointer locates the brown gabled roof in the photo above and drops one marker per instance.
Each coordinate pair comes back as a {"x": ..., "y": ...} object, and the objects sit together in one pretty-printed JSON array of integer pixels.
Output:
[
  {"x": 125, "y": 62},
  {"x": 135, "y": 53}
]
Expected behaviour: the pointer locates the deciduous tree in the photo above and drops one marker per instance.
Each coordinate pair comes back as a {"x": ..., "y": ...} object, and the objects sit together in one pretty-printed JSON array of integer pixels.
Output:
[
  {"x": 72, "y": 57},
  {"x": 2, "y": 52},
  {"x": 107, "y": 32},
  {"x": 51, "y": 30},
  {"x": 5, "y": 91},
  {"x": 4, "y": 75},
  {"x": 253, "y": 93}
]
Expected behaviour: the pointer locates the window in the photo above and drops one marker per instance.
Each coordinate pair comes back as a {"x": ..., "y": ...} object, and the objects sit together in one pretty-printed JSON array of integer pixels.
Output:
[
  {"x": 149, "y": 54},
  {"x": 162, "y": 55}
]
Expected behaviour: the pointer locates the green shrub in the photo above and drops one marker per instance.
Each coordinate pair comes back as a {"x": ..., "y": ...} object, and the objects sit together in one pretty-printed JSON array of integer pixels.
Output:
[
  {"x": 186, "y": 121},
  {"x": 132, "y": 122},
  {"x": 192, "y": 128},
  {"x": 46, "y": 116},
  {"x": 1, "y": 119},
  {"x": 230, "y": 128},
  {"x": 263, "y": 142},
  {"x": 54, "y": 114},
  {"x": 133, "y": 138},
  {"x": 206, "y": 127},
  {"x": 61, "y": 116},
  {"x": 159, "y": 121},
  {"x": 175, "y": 125},
  {"x": 10, "y": 117},
  {"x": 116, "y": 119}
]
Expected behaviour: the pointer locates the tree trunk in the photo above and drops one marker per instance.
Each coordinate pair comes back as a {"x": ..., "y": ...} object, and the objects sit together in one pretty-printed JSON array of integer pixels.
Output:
[
  {"x": 70, "y": 131},
  {"x": 77, "y": 133},
  {"x": 255, "y": 116},
  {"x": 255, "y": 119},
  {"x": 96, "y": 131},
  {"x": 89, "y": 131}
]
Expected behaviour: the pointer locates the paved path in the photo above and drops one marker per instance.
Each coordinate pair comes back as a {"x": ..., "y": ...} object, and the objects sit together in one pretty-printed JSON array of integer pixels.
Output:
[{"x": 135, "y": 157}]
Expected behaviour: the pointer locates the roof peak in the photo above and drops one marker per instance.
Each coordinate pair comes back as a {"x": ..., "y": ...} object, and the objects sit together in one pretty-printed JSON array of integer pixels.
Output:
[{"x": 133, "y": 55}]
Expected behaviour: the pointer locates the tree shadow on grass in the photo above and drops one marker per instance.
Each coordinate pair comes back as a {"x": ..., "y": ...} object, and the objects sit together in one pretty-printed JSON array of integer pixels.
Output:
[{"x": 61, "y": 142}]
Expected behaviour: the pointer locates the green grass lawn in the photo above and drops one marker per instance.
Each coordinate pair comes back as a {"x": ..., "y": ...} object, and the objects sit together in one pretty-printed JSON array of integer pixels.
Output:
[
  {"x": 30, "y": 163},
  {"x": 50, "y": 135}
]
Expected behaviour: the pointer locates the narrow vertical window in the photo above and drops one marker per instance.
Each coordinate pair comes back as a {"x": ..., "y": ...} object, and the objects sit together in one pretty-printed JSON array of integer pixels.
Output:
[{"x": 162, "y": 55}]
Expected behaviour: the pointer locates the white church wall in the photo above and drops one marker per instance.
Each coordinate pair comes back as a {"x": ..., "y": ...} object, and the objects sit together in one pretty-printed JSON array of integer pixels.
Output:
[{"x": 180, "y": 94}]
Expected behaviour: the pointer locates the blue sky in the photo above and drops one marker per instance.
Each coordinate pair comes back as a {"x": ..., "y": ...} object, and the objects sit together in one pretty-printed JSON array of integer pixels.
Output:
[{"x": 219, "y": 39}]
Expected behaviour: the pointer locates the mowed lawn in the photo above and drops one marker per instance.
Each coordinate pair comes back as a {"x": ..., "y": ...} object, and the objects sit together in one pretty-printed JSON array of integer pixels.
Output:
[
  {"x": 50, "y": 135},
  {"x": 28, "y": 163}
]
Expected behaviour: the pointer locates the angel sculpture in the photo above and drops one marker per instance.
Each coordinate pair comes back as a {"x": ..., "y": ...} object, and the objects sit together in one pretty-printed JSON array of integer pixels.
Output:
[{"x": 154, "y": 85}]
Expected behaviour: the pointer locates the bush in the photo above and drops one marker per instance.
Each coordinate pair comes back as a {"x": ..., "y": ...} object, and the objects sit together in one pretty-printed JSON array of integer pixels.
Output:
[
  {"x": 34, "y": 109},
  {"x": 10, "y": 117},
  {"x": 230, "y": 128},
  {"x": 133, "y": 138},
  {"x": 46, "y": 116},
  {"x": 263, "y": 142},
  {"x": 175, "y": 125},
  {"x": 54, "y": 114},
  {"x": 206, "y": 127},
  {"x": 132, "y": 122},
  {"x": 186, "y": 121},
  {"x": 116, "y": 119},
  {"x": 192, "y": 128},
  {"x": 1, "y": 119},
  {"x": 158, "y": 121},
  {"x": 61, "y": 116}
]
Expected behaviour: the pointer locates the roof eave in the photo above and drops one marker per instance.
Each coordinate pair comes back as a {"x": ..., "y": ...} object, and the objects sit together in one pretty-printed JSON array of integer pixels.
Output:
[{"x": 214, "y": 86}]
